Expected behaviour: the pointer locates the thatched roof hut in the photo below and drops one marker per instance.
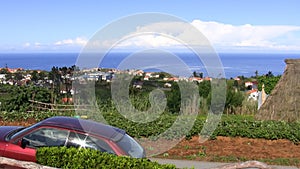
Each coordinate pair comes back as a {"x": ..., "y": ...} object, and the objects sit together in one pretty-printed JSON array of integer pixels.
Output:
[{"x": 284, "y": 101}]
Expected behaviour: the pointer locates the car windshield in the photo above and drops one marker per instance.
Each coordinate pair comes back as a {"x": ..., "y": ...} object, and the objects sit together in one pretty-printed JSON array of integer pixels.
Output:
[
  {"x": 18, "y": 133},
  {"x": 8, "y": 137},
  {"x": 131, "y": 147}
]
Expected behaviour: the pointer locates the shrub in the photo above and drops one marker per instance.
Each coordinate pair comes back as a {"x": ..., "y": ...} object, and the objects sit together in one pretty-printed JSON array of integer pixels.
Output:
[{"x": 63, "y": 157}]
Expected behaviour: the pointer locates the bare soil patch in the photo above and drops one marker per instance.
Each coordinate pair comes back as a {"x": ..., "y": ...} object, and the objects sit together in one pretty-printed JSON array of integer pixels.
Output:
[
  {"x": 239, "y": 147},
  {"x": 17, "y": 123}
]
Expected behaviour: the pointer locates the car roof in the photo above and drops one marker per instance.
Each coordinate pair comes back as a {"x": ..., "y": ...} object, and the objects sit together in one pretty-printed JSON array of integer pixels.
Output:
[{"x": 86, "y": 126}]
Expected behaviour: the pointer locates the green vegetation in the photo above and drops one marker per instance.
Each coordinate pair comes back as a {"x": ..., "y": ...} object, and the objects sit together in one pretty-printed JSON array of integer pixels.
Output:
[
  {"x": 47, "y": 87},
  {"x": 15, "y": 105},
  {"x": 269, "y": 80},
  {"x": 62, "y": 157},
  {"x": 16, "y": 98},
  {"x": 271, "y": 130},
  {"x": 237, "y": 121},
  {"x": 230, "y": 125}
]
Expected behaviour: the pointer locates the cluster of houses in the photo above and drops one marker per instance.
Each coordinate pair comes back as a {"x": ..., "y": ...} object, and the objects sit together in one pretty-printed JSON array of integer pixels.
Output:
[
  {"x": 95, "y": 75},
  {"x": 5, "y": 80},
  {"x": 253, "y": 93},
  {"x": 12, "y": 70},
  {"x": 107, "y": 75},
  {"x": 251, "y": 89}
]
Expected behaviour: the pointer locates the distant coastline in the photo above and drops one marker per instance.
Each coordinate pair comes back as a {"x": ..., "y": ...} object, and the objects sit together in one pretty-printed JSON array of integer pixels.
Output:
[{"x": 235, "y": 64}]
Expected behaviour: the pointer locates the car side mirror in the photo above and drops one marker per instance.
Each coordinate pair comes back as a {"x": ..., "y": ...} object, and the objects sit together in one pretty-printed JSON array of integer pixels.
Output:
[{"x": 24, "y": 143}]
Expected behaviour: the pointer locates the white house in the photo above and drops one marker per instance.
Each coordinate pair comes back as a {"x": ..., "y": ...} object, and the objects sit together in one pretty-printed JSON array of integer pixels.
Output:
[
  {"x": 146, "y": 77},
  {"x": 253, "y": 95},
  {"x": 167, "y": 85},
  {"x": 247, "y": 84}
]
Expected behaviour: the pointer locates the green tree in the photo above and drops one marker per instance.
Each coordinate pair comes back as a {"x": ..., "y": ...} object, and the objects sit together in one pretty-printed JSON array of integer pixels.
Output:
[
  {"x": 55, "y": 76},
  {"x": 204, "y": 88},
  {"x": 42, "y": 75},
  {"x": 3, "y": 71},
  {"x": 269, "y": 74},
  {"x": 197, "y": 74},
  {"x": 34, "y": 76},
  {"x": 8, "y": 76},
  {"x": 269, "y": 80},
  {"x": 174, "y": 99},
  {"x": 234, "y": 99},
  {"x": 256, "y": 74},
  {"x": 18, "y": 75}
]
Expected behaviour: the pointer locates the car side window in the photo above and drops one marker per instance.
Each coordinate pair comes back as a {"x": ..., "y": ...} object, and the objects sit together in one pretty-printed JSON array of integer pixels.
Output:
[
  {"x": 85, "y": 141},
  {"x": 47, "y": 137}
]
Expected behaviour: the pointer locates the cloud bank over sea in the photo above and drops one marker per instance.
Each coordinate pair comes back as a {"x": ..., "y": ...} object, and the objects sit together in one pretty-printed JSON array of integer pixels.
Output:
[{"x": 223, "y": 37}]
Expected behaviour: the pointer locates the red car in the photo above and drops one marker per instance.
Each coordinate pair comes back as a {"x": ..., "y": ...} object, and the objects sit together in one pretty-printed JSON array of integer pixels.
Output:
[{"x": 21, "y": 142}]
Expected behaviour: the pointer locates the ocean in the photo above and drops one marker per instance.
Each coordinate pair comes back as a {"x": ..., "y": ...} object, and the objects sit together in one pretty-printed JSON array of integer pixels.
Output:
[{"x": 234, "y": 64}]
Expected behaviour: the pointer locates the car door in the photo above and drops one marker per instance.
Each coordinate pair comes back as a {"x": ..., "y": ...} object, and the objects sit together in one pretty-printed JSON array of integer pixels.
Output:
[
  {"x": 41, "y": 137},
  {"x": 15, "y": 151}
]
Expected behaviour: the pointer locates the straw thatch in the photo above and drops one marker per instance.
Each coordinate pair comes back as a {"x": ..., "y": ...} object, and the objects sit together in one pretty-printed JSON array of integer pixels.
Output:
[{"x": 283, "y": 102}]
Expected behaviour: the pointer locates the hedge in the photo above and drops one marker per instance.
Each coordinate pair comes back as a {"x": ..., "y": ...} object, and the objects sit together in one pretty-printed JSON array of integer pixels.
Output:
[{"x": 74, "y": 158}]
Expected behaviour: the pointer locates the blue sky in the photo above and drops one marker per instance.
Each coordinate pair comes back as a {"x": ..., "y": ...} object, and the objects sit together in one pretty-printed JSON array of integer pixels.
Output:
[{"x": 65, "y": 25}]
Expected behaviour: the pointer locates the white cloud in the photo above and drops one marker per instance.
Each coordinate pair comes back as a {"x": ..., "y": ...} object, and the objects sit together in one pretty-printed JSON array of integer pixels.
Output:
[
  {"x": 37, "y": 44},
  {"x": 27, "y": 44},
  {"x": 220, "y": 35},
  {"x": 163, "y": 34},
  {"x": 62, "y": 45},
  {"x": 79, "y": 41},
  {"x": 149, "y": 40},
  {"x": 243, "y": 35}
]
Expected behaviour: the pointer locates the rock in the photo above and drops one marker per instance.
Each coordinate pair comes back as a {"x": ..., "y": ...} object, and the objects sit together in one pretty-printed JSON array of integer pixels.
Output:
[
  {"x": 8, "y": 163},
  {"x": 247, "y": 164}
]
